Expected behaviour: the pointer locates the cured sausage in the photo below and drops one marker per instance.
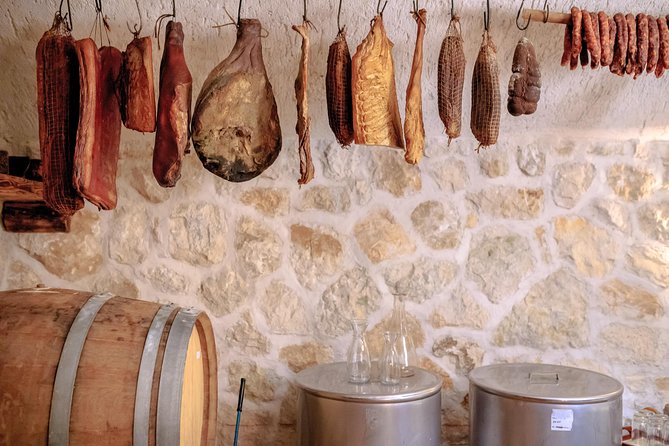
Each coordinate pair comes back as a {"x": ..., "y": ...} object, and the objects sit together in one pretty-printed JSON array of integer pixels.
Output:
[
  {"x": 414, "y": 130},
  {"x": 451, "y": 79},
  {"x": 338, "y": 90},
  {"x": 525, "y": 82},
  {"x": 303, "y": 126}
]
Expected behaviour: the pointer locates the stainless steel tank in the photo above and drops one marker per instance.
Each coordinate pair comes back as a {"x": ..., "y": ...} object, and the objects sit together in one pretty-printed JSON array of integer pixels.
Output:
[
  {"x": 543, "y": 405},
  {"x": 333, "y": 412}
]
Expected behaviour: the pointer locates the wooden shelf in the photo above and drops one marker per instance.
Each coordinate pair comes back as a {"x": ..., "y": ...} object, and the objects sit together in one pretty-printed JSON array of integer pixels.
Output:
[{"x": 19, "y": 189}]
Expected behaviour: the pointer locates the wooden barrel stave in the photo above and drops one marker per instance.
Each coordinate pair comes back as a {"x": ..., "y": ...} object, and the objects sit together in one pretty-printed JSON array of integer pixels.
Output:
[{"x": 34, "y": 325}]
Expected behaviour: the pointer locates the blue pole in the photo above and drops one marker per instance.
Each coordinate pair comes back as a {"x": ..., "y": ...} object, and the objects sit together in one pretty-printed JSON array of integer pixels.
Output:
[{"x": 240, "y": 401}]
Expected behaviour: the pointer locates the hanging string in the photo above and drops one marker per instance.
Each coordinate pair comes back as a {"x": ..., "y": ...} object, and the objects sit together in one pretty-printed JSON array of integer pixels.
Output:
[
  {"x": 100, "y": 24},
  {"x": 135, "y": 29},
  {"x": 67, "y": 17}
]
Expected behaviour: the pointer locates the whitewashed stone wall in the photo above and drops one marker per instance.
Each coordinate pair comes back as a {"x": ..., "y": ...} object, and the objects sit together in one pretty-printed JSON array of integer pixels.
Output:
[
  {"x": 553, "y": 246},
  {"x": 528, "y": 252}
]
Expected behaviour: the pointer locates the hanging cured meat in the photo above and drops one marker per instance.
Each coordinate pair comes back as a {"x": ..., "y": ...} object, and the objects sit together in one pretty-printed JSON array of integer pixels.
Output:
[
  {"x": 174, "y": 107},
  {"x": 338, "y": 90},
  {"x": 451, "y": 79},
  {"x": 137, "y": 90},
  {"x": 525, "y": 82},
  {"x": 376, "y": 114},
  {"x": 236, "y": 130},
  {"x": 303, "y": 126},
  {"x": 486, "y": 98},
  {"x": 58, "y": 113},
  {"x": 99, "y": 131},
  {"x": 414, "y": 130}
]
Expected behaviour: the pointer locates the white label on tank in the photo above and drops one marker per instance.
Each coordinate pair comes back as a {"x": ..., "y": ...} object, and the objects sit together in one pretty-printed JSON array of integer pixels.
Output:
[{"x": 562, "y": 419}]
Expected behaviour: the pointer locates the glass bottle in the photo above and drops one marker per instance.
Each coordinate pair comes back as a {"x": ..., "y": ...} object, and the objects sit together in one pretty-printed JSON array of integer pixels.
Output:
[
  {"x": 358, "y": 364},
  {"x": 403, "y": 343},
  {"x": 390, "y": 367}
]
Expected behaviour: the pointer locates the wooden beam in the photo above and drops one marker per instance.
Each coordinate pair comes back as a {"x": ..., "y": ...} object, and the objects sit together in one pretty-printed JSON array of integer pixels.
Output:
[
  {"x": 538, "y": 15},
  {"x": 19, "y": 189},
  {"x": 33, "y": 216}
]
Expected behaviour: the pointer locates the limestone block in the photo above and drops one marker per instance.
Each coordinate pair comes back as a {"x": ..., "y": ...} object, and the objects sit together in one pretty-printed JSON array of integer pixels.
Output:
[
  {"x": 142, "y": 180},
  {"x": 374, "y": 336},
  {"x": 498, "y": 260},
  {"x": 654, "y": 220},
  {"x": 630, "y": 183},
  {"x": 69, "y": 256},
  {"x": 438, "y": 224},
  {"x": 393, "y": 174},
  {"x": 552, "y": 315},
  {"x": 381, "y": 238},
  {"x": 459, "y": 310},
  {"x": 650, "y": 261},
  {"x": 197, "y": 234},
  {"x": 316, "y": 253},
  {"x": 116, "y": 283},
  {"x": 466, "y": 353},
  {"x": 270, "y": 201},
  {"x": 592, "y": 249},
  {"x": 612, "y": 213},
  {"x": 631, "y": 344},
  {"x": 353, "y": 296},
  {"x": 509, "y": 202},
  {"x": 630, "y": 302},
  {"x": 261, "y": 383},
  {"x": 531, "y": 160},
  {"x": 224, "y": 292},
  {"x": 284, "y": 310},
  {"x": 420, "y": 280},
  {"x": 166, "y": 279},
  {"x": 21, "y": 275},
  {"x": 570, "y": 182},
  {"x": 428, "y": 364},
  {"x": 333, "y": 199},
  {"x": 258, "y": 247},
  {"x": 129, "y": 238},
  {"x": 245, "y": 337},
  {"x": 449, "y": 174},
  {"x": 494, "y": 163},
  {"x": 303, "y": 356}
]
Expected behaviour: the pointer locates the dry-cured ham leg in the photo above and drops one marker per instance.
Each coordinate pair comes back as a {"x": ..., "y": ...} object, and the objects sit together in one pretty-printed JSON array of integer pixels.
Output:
[{"x": 414, "y": 130}]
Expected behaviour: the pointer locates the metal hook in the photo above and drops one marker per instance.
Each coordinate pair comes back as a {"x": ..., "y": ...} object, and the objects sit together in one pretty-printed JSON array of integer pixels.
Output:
[
  {"x": 452, "y": 9},
  {"x": 547, "y": 11},
  {"x": 135, "y": 30},
  {"x": 520, "y": 11},
  {"x": 159, "y": 22},
  {"x": 380, "y": 11},
  {"x": 239, "y": 13},
  {"x": 339, "y": 16},
  {"x": 486, "y": 16},
  {"x": 67, "y": 17}
]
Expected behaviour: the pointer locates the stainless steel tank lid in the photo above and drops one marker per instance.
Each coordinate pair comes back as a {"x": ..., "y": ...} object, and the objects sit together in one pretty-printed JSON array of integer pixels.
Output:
[
  {"x": 330, "y": 381},
  {"x": 546, "y": 383}
]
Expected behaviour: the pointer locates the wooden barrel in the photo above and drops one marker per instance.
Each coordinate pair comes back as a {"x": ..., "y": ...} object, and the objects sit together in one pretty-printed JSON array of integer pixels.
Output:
[{"x": 78, "y": 368}]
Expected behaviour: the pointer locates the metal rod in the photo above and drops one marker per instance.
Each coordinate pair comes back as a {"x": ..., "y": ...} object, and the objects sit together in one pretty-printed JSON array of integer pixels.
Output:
[
  {"x": 537, "y": 15},
  {"x": 240, "y": 402},
  {"x": 339, "y": 16}
]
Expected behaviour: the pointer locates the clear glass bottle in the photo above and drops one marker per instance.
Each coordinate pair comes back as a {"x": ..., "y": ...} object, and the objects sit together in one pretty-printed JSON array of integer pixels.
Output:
[
  {"x": 358, "y": 363},
  {"x": 403, "y": 343},
  {"x": 390, "y": 366}
]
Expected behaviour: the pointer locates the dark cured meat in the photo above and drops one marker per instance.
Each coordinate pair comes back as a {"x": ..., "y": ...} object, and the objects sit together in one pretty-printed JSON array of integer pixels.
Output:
[
  {"x": 174, "y": 109},
  {"x": 58, "y": 113},
  {"x": 620, "y": 48},
  {"x": 525, "y": 82},
  {"x": 137, "y": 89},
  {"x": 630, "y": 68},
  {"x": 99, "y": 132},
  {"x": 642, "y": 44}
]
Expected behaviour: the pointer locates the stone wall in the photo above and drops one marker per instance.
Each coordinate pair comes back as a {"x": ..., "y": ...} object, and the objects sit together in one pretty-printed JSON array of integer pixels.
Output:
[
  {"x": 531, "y": 251},
  {"x": 552, "y": 246}
]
